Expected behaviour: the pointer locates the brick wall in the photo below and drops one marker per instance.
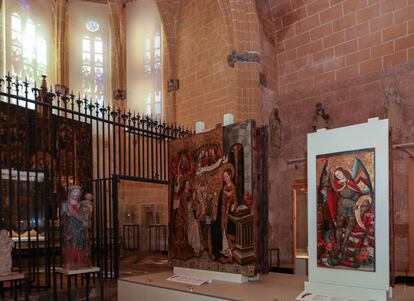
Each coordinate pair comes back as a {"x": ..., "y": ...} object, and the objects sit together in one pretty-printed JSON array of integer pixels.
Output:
[
  {"x": 324, "y": 41},
  {"x": 206, "y": 80},
  {"x": 347, "y": 103},
  {"x": 343, "y": 53},
  {"x": 267, "y": 44},
  {"x": 134, "y": 198},
  {"x": 200, "y": 35}
]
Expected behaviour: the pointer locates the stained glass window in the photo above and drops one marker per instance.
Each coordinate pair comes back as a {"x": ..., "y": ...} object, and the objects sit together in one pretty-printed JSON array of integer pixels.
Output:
[
  {"x": 152, "y": 54},
  {"x": 144, "y": 58},
  {"x": 152, "y": 69},
  {"x": 148, "y": 104},
  {"x": 157, "y": 53},
  {"x": 158, "y": 103},
  {"x": 92, "y": 26},
  {"x": 28, "y": 59},
  {"x": 93, "y": 81},
  {"x": 89, "y": 50},
  {"x": 27, "y": 32}
]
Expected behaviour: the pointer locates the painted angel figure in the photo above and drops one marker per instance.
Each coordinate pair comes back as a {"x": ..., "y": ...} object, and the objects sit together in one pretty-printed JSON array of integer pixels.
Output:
[{"x": 343, "y": 193}]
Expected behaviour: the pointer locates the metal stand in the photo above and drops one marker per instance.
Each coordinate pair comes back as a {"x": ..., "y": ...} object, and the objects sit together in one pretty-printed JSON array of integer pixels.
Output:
[
  {"x": 271, "y": 251},
  {"x": 157, "y": 230},
  {"x": 13, "y": 278},
  {"x": 131, "y": 237},
  {"x": 83, "y": 272}
]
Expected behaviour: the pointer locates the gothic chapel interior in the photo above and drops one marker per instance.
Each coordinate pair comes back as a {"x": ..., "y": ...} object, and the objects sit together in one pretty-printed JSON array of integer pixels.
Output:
[{"x": 207, "y": 150}]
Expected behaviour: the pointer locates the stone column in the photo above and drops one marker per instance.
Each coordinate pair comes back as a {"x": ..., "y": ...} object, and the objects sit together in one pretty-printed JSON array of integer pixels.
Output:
[
  {"x": 118, "y": 54},
  {"x": 61, "y": 44},
  {"x": 2, "y": 48}
]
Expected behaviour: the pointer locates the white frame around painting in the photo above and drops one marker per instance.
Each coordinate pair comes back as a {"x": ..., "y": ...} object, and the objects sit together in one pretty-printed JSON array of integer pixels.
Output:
[{"x": 357, "y": 285}]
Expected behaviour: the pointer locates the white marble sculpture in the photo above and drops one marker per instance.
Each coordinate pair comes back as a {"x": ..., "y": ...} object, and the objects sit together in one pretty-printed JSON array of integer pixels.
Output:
[{"x": 6, "y": 245}]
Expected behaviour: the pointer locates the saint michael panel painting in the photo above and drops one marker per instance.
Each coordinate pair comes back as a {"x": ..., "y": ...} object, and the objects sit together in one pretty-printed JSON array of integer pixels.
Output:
[{"x": 346, "y": 210}]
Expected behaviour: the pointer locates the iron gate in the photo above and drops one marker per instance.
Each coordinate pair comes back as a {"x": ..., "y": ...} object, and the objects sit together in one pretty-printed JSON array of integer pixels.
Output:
[{"x": 50, "y": 140}]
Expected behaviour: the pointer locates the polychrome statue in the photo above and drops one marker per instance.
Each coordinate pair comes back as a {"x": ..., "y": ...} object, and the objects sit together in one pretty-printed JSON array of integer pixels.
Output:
[
  {"x": 76, "y": 224},
  {"x": 6, "y": 245}
]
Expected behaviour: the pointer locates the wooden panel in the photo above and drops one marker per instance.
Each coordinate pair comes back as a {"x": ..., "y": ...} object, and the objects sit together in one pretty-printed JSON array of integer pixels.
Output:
[{"x": 411, "y": 214}]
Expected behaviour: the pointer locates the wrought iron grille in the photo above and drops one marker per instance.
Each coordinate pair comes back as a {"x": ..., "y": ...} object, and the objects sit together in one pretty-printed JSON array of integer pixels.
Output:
[{"x": 55, "y": 140}]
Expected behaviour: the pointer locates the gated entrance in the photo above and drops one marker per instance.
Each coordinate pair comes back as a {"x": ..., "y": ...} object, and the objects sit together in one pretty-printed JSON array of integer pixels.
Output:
[{"x": 56, "y": 140}]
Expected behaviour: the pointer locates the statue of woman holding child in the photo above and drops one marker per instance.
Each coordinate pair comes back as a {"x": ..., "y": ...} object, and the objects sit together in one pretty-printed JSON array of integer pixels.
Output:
[{"x": 76, "y": 220}]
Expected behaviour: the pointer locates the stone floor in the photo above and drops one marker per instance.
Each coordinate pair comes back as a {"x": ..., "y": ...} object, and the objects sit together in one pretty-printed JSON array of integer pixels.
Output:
[{"x": 132, "y": 263}]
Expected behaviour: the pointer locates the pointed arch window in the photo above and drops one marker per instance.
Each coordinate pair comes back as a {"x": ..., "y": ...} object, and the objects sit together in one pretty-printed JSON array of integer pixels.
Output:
[
  {"x": 28, "y": 59},
  {"x": 144, "y": 58},
  {"x": 27, "y": 36},
  {"x": 90, "y": 50},
  {"x": 93, "y": 81}
]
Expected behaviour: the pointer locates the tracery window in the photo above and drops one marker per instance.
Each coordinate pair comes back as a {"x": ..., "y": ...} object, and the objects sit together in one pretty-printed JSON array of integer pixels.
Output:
[
  {"x": 92, "y": 64},
  {"x": 28, "y": 59},
  {"x": 27, "y": 35},
  {"x": 89, "y": 55},
  {"x": 144, "y": 58},
  {"x": 152, "y": 54}
]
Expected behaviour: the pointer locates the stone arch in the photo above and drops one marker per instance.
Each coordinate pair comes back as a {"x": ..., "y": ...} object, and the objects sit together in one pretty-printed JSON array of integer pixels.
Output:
[
  {"x": 203, "y": 43},
  {"x": 240, "y": 31},
  {"x": 168, "y": 10}
]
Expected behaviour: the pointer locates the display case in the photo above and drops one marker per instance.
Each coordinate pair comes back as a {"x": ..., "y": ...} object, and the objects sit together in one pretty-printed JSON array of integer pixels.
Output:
[
  {"x": 300, "y": 226},
  {"x": 22, "y": 202}
]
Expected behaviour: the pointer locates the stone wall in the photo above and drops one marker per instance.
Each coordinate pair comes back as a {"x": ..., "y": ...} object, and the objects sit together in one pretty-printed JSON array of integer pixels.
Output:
[
  {"x": 349, "y": 102},
  {"x": 342, "y": 53},
  {"x": 200, "y": 36},
  {"x": 346, "y": 55},
  {"x": 206, "y": 80},
  {"x": 323, "y": 41},
  {"x": 136, "y": 203}
]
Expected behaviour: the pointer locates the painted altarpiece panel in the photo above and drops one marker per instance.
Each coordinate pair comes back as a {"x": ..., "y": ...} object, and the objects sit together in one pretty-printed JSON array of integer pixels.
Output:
[
  {"x": 212, "y": 203},
  {"x": 346, "y": 210}
]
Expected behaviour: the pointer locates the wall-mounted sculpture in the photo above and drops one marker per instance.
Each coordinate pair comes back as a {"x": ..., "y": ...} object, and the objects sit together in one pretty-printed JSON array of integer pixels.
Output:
[
  {"x": 275, "y": 137},
  {"x": 263, "y": 79},
  {"x": 320, "y": 118},
  {"x": 6, "y": 245},
  {"x": 248, "y": 57},
  {"x": 393, "y": 110},
  {"x": 119, "y": 94},
  {"x": 173, "y": 85}
]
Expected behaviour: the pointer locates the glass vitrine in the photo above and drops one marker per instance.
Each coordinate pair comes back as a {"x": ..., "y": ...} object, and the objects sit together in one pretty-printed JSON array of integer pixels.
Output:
[{"x": 300, "y": 227}]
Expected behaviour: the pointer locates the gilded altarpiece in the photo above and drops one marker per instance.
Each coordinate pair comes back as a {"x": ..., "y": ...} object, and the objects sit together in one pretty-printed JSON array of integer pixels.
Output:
[{"x": 56, "y": 147}]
